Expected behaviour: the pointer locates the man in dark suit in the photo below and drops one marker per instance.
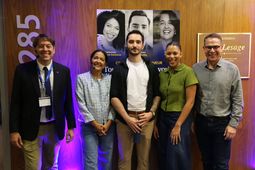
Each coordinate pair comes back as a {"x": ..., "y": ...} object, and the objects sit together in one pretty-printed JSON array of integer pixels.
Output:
[{"x": 41, "y": 102}]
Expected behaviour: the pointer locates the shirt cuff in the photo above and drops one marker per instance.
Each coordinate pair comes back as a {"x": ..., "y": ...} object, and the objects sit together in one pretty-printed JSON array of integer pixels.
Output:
[{"x": 233, "y": 123}]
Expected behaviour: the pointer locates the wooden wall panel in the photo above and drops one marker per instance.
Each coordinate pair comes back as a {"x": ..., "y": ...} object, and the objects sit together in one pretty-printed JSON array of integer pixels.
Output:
[{"x": 73, "y": 25}]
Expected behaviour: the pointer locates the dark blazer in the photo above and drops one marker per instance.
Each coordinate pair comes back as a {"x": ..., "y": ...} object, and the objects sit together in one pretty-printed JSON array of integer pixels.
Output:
[{"x": 24, "y": 109}]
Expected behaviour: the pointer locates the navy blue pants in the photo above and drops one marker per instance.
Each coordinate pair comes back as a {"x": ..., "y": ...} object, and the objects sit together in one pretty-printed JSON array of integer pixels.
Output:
[
  {"x": 215, "y": 150},
  {"x": 174, "y": 157}
]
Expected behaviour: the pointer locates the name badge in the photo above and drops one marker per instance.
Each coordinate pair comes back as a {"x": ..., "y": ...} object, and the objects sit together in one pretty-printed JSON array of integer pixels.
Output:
[{"x": 44, "y": 101}]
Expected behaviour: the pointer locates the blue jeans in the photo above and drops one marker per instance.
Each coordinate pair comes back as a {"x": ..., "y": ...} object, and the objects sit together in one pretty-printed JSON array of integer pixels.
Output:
[
  {"x": 215, "y": 150},
  {"x": 174, "y": 157},
  {"x": 97, "y": 150}
]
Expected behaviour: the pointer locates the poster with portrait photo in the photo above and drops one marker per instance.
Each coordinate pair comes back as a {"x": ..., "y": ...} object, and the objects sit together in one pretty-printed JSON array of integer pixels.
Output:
[
  {"x": 159, "y": 28},
  {"x": 111, "y": 35},
  {"x": 166, "y": 29},
  {"x": 141, "y": 20}
]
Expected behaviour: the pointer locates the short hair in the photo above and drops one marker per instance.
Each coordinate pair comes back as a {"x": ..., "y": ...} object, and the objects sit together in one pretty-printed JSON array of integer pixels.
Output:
[
  {"x": 177, "y": 44},
  {"x": 103, "y": 17},
  {"x": 138, "y": 13},
  {"x": 44, "y": 37},
  {"x": 213, "y": 35},
  {"x": 99, "y": 50},
  {"x": 135, "y": 32}
]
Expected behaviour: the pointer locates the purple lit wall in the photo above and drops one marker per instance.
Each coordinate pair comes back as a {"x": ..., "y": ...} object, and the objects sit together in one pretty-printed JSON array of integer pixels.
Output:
[{"x": 63, "y": 25}]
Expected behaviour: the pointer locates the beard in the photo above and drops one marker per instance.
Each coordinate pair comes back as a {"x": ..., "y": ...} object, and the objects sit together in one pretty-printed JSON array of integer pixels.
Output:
[{"x": 134, "y": 51}]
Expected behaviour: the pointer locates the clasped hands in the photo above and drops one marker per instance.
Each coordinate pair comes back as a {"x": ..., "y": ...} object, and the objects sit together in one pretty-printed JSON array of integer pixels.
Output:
[
  {"x": 136, "y": 124},
  {"x": 101, "y": 128}
]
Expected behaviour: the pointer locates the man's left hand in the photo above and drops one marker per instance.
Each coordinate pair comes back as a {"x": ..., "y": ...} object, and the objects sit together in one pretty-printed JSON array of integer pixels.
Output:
[
  {"x": 69, "y": 135},
  {"x": 229, "y": 133}
]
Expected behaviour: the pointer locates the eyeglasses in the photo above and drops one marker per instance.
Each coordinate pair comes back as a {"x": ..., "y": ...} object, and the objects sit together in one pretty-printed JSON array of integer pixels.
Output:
[{"x": 215, "y": 47}]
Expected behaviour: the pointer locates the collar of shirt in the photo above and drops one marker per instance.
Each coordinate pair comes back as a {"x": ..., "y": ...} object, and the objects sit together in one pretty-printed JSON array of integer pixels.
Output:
[
  {"x": 92, "y": 77},
  {"x": 219, "y": 64},
  {"x": 171, "y": 71},
  {"x": 42, "y": 66},
  {"x": 128, "y": 62}
]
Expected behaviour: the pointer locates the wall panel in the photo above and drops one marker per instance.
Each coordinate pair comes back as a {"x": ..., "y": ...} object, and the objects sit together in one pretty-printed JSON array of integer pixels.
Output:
[{"x": 73, "y": 25}]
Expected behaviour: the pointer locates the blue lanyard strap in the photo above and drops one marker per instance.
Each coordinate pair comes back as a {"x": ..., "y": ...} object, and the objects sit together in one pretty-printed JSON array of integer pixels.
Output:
[{"x": 48, "y": 75}]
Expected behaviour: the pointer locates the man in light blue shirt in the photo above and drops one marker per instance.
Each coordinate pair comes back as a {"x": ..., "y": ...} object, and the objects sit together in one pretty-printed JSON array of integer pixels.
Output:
[{"x": 219, "y": 104}]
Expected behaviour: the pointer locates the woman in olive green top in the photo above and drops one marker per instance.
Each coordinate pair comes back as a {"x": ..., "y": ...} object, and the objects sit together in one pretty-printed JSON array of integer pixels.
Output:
[{"x": 178, "y": 88}]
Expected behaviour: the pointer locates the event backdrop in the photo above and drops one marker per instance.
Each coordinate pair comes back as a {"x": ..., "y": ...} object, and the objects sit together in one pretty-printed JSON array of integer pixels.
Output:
[{"x": 159, "y": 28}]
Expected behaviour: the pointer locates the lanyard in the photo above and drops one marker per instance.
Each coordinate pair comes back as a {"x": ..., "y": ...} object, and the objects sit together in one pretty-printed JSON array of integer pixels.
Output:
[{"x": 47, "y": 77}]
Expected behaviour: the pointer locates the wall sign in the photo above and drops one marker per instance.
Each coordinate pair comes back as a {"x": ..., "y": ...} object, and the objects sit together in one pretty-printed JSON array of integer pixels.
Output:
[{"x": 236, "y": 49}]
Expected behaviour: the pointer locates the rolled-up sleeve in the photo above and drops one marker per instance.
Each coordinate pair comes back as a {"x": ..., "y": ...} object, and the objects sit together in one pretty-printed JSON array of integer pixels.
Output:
[{"x": 111, "y": 115}]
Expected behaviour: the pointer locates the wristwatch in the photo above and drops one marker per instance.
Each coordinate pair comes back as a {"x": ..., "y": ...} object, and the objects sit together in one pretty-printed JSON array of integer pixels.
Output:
[{"x": 153, "y": 113}]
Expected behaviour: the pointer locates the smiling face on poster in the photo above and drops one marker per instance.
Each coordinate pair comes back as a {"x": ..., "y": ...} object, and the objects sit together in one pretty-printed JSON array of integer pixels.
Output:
[
  {"x": 141, "y": 20},
  {"x": 166, "y": 30},
  {"x": 111, "y": 31}
]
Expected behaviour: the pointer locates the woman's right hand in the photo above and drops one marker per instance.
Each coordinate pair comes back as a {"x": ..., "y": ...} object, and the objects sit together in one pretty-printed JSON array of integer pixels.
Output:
[
  {"x": 99, "y": 128},
  {"x": 106, "y": 126}
]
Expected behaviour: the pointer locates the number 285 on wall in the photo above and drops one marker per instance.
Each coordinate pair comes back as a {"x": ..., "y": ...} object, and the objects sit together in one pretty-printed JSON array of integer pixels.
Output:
[{"x": 24, "y": 39}]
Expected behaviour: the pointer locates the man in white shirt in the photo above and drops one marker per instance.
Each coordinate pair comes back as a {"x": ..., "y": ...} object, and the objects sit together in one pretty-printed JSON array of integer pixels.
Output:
[{"x": 135, "y": 97}]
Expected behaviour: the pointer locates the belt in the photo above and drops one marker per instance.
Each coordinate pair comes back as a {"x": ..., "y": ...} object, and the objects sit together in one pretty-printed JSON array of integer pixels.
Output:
[
  {"x": 135, "y": 112},
  {"x": 213, "y": 117},
  {"x": 47, "y": 123}
]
